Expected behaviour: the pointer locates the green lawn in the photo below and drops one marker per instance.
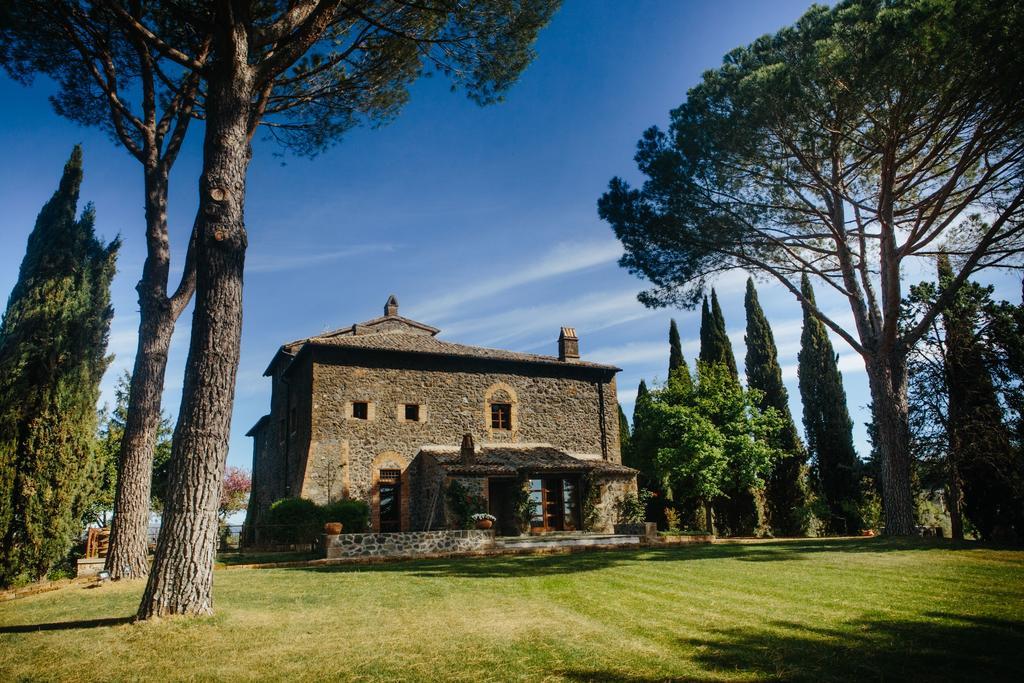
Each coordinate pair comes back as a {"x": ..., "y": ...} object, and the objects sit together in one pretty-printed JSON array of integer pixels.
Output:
[{"x": 806, "y": 610}]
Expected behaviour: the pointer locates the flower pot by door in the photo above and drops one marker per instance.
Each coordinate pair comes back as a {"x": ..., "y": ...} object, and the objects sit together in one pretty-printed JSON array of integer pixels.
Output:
[
  {"x": 484, "y": 524},
  {"x": 332, "y": 528}
]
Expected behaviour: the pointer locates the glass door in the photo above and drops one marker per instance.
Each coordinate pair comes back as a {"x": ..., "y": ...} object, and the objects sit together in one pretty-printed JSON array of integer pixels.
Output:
[{"x": 554, "y": 504}]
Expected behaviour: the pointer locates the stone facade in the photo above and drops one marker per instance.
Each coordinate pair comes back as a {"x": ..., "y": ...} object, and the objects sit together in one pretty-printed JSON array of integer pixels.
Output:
[
  {"x": 351, "y": 404},
  {"x": 409, "y": 544}
]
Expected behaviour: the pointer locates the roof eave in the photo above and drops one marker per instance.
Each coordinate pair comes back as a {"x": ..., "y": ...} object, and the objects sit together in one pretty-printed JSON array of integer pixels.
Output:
[
  {"x": 554, "y": 362},
  {"x": 259, "y": 423}
]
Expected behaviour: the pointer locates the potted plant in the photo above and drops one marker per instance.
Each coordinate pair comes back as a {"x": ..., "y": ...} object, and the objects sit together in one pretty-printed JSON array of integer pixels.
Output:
[{"x": 484, "y": 520}]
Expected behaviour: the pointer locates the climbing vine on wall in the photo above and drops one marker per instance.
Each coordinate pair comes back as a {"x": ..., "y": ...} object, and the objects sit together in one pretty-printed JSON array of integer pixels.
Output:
[
  {"x": 463, "y": 505},
  {"x": 591, "y": 500},
  {"x": 522, "y": 506}
]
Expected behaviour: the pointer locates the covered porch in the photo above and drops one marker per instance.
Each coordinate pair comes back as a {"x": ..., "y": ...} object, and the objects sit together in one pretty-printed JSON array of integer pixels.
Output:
[{"x": 529, "y": 488}]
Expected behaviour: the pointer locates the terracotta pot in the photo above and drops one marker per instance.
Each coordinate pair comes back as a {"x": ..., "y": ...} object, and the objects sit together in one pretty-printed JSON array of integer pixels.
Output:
[
  {"x": 484, "y": 524},
  {"x": 332, "y": 528}
]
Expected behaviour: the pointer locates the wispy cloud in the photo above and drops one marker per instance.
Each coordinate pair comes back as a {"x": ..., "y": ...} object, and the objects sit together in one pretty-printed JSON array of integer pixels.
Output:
[
  {"x": 277, "y": 262},
  {"x": 642, "y": 354},
  {"x": 560, "y": 260},
  {"x": 534, "y": 325}
]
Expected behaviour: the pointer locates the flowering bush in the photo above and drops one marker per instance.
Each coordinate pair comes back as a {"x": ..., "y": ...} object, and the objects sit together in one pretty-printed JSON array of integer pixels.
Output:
[{"x": 483, "y": 515}]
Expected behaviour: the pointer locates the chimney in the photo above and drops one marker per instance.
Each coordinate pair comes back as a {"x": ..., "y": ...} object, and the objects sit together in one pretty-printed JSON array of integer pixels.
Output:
[
  {"x": 391, "y": 307},
  {"x": 467, "y": 454},
  {"x": 568, "y": 345}
]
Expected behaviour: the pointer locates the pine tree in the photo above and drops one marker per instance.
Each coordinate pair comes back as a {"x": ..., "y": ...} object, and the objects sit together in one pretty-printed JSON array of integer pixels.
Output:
[
  {"x": 827, "y": 423},
  {"x": 786, "y": 490},
  {"x": 109, "y": 438},
  {"x": 715, "y": 346},
  {"x": 52, "y": 356}
]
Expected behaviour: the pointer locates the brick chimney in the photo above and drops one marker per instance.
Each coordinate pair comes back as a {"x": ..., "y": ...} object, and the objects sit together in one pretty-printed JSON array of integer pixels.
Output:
[
  {"x": 391, "y": 307},
  {"x": 467, "y": 454},
  {"x": 568, "y": 345}
]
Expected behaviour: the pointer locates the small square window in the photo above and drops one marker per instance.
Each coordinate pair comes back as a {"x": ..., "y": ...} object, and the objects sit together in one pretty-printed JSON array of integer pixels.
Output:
[
  {"x": 360, "y": 410},
  {"x": 501, "y": 416},
  {"x": 412, "y": 412}
]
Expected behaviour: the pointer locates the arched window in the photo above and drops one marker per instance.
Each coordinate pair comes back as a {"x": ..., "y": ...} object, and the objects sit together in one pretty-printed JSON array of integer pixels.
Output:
[{"x": 501, "y": 411}]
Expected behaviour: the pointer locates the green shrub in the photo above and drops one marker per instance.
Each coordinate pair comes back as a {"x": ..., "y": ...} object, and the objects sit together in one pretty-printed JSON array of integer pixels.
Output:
[
  {"x": 463, "y": 504},
  {"x": 354, "y": 515},
  {"x": 632, "y": 507},
  {"x": 293, "y": 520},
  {"x": 672, "y": 520}
]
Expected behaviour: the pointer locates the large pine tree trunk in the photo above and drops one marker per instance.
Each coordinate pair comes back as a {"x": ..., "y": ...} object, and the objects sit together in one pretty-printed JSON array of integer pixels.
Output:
[
  {"x": 887, "y": 376},
  {"x": 128, "y": 557},
  {"x": 181, "y": 581}
]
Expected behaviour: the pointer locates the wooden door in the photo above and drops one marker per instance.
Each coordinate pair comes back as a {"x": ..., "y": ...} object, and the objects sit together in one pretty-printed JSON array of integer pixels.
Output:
[{"x": 547, "y": 498}]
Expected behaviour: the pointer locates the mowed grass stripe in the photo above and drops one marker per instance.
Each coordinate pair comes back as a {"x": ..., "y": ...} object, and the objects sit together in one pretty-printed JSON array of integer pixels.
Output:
[{"x": 804, "y": 610}]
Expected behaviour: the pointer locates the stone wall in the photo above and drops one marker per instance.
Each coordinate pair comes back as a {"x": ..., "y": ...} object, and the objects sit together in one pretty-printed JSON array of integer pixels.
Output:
[
  {"x": 613, "y": 489},
  {"x": 408, "y": 544},
  {"x": 562, "y": 406}
]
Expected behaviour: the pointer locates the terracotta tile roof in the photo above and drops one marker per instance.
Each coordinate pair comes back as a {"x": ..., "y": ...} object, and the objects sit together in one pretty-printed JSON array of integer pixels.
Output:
[
  {"x": 428, "y": 344},
  {"x": 514, "y": 459}
]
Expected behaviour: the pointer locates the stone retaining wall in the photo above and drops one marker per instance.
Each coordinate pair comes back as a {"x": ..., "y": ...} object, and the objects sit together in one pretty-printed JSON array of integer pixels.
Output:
[{"x": 407, "y": 544}]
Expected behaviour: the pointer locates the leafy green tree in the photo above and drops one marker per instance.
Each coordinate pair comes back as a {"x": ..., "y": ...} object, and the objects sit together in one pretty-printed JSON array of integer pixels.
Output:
[
  {"x": 786, "y": 492},
  {"x": 53, "y": 342},
  {"x": 713, "y": 441},
  {"x": 843, "y": 147},
  {"x": 827, "y": 423},
  {"x": 715, "y": 346}
]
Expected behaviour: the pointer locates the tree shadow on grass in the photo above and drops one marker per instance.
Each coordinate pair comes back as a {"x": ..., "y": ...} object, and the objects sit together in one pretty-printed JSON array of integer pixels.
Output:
[
  {"x": 938, "y": 647},
  {"x": 510, "y": 566},
  {"x": 66, "y": 625}
]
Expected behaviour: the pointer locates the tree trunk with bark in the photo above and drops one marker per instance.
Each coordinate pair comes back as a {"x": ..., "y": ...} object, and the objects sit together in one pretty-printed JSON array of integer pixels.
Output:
[
  {"x": 887, "y": 377},
  {"x": 128, "y": 554},
  {"x": 181, "y": 581}
]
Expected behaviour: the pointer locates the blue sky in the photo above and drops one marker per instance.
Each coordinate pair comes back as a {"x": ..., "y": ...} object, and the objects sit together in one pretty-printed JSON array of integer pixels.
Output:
[{"x": 481, "y": 220}]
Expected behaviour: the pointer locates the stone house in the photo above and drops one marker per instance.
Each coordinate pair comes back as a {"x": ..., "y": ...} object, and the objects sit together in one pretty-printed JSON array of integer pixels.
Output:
[{"x": 386, "y": 412}]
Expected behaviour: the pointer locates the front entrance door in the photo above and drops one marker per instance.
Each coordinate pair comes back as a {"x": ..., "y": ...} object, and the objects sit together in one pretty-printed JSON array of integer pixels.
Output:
[
  {"x": 390, "y": 489},
  {"x": 555, "y": 504}
]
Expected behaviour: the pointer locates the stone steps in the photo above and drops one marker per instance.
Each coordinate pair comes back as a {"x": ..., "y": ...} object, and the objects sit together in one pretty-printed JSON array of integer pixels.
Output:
[{"x": 559, "y": 541}]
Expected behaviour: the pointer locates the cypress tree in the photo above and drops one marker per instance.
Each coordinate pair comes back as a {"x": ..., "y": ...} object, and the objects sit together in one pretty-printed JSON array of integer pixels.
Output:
[
  {"x": 677, "y": 366},
  {"x": 623, "y": 433},
  {"x": 785, "y": 491},
  {"x": 827, "y": 423},
  {"x": 715, "y": 346},
  {"x": 52, "y": 356},
  {"x": 643, "y": 440},
  {"x": 981, "y": 457}
]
